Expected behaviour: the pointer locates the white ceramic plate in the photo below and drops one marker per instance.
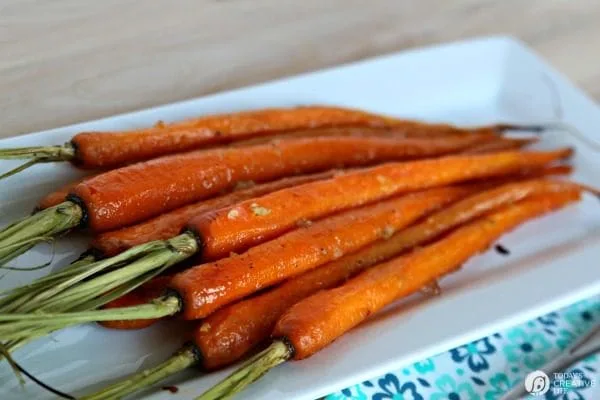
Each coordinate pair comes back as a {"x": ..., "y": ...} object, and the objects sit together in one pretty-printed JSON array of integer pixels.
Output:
[{"x": 554, "y": 261}]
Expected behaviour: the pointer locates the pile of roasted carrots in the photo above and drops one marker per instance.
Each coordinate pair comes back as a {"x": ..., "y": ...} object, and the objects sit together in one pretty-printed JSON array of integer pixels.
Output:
[{"x": 293, "y": 225}]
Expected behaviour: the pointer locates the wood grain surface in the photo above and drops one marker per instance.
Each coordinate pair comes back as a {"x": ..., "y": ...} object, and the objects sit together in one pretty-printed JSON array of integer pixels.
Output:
[{"x": 65, "y": 61}]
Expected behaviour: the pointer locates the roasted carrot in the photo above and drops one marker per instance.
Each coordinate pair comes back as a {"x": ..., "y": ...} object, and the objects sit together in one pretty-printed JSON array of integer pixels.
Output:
[
  {"x": 229, "y": 333},
  {"x": 135, "y": 193},
  {"x": 442, "y": 221},
  {"x": 245, "y": 224},
  {"x": 318, "y": 320},
  {"x": 94, "y": 150},
  {"x": 170, "y": 224},
  {"x": 410, "y": 129},
  {"x": 110, "y": 149},
  {"x": 501, "y": 144},
  {"x": 264, "y": 265},
  {"x": 374, "y": 289},
  {"x": 202, "y": 290}
]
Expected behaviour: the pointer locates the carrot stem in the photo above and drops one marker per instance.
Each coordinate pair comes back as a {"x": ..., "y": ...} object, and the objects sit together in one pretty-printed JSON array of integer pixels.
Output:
[
  {"x": 13, "y": 345},
  {"x": 80, "y": 295},
  {"x": 12, "y": 299},
  {"x": 37, "y": 155},
  {"x": 97, "y": 279},
  {"x": 252, "y": 370},
  {"x": 24, "y": 324},
  {"x": 18, "y": 237},
  {"x": 65, "y": 152},
  {"x": 186, "y": 357}
]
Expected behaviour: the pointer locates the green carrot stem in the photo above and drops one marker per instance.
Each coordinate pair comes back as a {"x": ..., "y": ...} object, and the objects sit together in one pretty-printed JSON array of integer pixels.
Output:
[
  {"x": 22, "y": 326},
  {"x": 251, "y": 371},
  {"x": 56, "y": 291},
  {"x": 40, "y": 226},
  {"x": 13, "y": 345},
  {"x": 166, "y": 254},
  {"x": 65, "y": 152},
  {"x": 37, "y": 155},
  {"x": 186, "y": 357},
  {"x": 7, "y": 255},
  {"x": 51, "y": 279}
]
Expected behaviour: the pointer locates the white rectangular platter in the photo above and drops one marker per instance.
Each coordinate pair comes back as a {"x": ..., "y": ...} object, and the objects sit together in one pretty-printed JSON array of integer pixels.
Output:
[{"x": 554, "y": 261}]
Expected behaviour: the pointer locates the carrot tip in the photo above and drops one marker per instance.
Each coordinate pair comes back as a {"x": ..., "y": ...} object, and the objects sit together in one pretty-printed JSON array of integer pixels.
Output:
[{"x": 552, "y": 127}]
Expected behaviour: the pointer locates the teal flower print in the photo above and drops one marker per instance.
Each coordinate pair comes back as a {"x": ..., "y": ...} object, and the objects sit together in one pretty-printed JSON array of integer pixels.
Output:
[
  {"x": 500, "y": 384},
  {"x": 393, "y": 390},
  {"x": 581, "y": 316},
  {"x": 475, "y": 354},
  {"x": 565, "y": 339},
  {"x": 352, "y": 393},
  {"x": 549, "y": 319},
  {"x": 528, "y": 349},
  {"x": 450, "y": 390},
  {"x": 425, "y": 366}
]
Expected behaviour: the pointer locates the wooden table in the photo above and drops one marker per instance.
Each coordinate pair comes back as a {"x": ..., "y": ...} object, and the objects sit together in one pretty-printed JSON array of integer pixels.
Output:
[{"x": 65, "y": 61}]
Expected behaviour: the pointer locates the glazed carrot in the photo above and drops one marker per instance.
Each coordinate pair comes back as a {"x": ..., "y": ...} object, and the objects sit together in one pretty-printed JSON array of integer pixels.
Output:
[
  {"x": 267, "y": 305},
  {"x": 237, "y": 276},
  {"x": 245, "y": 224},
  {"x": 110, "y": 149},
  {"x": 135, "y": 193},
  {"x": 318, "y": 320},
  {"x": 374, "y": 289},
  {"x": 229, "y": 333},
  {"x": 501, "y": 144},
  {"x": 94, "y": 150},
  {"x": 171, "y": 223},
  {"x": 410, "y": 129},
  {"x": 202, "y": 290}
]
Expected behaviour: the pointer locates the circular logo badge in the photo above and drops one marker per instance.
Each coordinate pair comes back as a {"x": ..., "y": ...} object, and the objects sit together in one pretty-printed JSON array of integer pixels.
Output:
[{"x": 537, "y": 383}]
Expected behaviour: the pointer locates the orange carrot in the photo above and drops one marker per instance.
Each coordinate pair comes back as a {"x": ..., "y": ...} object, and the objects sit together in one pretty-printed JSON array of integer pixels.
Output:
[
  {"x": 171, "y": 223},
  {"x": 229, "y": 333},
  {"x": 501, "y": 144},
  {"x": 256, "y": 316},
  {"x": 135, "y": 193},
  {"x": 248, "y": 223},
  {"x": 93, "y": 150},
  {"x": 315, "y": 322},
  {"x": 205, "y": 288},
  {"x": 318, "y": 320},
  {"x": 404, "y": 129},
  {"x": 201, "y": 290},
  {"x": 100, "y": 149},
  {"x": 141, "y": 191}
]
